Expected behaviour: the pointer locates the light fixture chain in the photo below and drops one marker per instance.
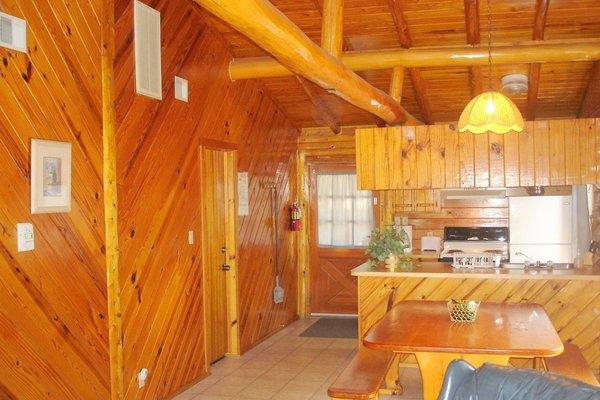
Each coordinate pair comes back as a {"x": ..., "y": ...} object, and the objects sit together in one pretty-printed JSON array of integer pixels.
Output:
[{"x": 489, "y": 10}]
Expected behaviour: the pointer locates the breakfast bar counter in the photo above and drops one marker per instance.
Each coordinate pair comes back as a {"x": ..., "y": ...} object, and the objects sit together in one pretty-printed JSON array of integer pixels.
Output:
[
  {"x": 571, "y": 298},
  {"x": 444, "y": 270}
]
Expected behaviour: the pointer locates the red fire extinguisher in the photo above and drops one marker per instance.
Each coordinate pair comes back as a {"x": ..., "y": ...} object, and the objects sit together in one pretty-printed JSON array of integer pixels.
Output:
[{"x": 295, "y": 216}]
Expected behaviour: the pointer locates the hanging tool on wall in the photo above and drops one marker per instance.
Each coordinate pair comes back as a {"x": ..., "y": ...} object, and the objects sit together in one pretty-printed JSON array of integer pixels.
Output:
[{"x": 278, "y": 290}]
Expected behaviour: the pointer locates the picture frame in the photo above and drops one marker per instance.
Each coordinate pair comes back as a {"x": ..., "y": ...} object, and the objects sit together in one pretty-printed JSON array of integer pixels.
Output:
[{"x": 50, "y": 176}]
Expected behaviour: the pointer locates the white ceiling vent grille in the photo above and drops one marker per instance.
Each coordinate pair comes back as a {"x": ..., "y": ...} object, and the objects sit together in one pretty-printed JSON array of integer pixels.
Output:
[
  {"x": 148, "y": 79},
  {"x": 13, "y": 32},
  {"x": 181, "y": 89}
]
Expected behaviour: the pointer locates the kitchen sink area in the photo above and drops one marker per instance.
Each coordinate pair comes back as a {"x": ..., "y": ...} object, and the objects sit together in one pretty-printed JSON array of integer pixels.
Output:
[{"x": 537, "y": 265}]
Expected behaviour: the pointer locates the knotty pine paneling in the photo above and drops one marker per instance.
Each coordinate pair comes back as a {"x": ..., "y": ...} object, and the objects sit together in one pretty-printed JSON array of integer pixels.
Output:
[
  {"x": 572, "y": 305},
  {"x": 428, "y": 212},
  {"x": 546, "y": 153},
  {"x": 159, "y": 199},
  {"x": 53, "y": 330}
]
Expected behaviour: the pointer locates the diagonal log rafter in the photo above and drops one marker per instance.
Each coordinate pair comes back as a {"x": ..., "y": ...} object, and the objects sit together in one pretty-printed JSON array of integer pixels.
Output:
[{"x": 270, "y": 29}]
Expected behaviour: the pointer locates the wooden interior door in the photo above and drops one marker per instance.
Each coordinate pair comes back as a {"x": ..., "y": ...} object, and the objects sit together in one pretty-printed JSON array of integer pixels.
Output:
[
  {"x": 333, "y": 290},
  {"x": 214, "y": 251}
]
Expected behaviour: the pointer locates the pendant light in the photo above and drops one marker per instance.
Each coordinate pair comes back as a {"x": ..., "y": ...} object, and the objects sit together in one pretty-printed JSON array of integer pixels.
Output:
[{"x": 490, "y": 111}]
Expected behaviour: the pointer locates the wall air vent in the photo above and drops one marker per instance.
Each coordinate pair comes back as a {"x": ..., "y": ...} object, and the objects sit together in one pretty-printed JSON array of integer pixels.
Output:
[
  {"x": 148, "y": 79},
  {"x": 13, "y": 32},
  {"x": 181, "y": 89}
]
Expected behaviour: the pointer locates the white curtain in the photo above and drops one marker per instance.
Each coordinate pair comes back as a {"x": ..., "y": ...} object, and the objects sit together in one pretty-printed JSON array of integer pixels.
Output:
[{"x": 345, "y": 214}]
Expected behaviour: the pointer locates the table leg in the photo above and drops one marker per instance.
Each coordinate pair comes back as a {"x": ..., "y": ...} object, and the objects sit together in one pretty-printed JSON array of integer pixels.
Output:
[{"x": 433, "y": 367}]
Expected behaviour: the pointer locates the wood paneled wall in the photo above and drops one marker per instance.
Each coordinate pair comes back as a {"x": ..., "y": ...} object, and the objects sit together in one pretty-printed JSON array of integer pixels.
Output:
[
  {"x": 429, "y": 212},
  {"x": 53, "y": 330},
  {"x": 159, "y": 199},
  {"x": 546, "y": 153},
  {"x": 572, "y": 305}
]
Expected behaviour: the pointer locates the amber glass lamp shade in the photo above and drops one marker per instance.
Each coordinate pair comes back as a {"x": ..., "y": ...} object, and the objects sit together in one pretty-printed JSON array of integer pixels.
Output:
[{"x": 493, "y": 112}]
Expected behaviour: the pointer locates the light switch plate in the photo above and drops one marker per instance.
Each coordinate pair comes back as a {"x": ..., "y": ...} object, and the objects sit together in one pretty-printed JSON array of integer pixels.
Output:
[
  {"x": 190, "y": 237},
  {"x": 25, "y": 237}
]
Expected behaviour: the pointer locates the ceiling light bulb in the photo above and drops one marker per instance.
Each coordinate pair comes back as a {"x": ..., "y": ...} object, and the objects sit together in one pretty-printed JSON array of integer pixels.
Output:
[{"x": 489, "y": 106}]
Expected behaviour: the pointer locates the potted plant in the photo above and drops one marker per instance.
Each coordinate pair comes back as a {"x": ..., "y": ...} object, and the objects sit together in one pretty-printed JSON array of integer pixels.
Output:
[{"x": 386, "y": 245}]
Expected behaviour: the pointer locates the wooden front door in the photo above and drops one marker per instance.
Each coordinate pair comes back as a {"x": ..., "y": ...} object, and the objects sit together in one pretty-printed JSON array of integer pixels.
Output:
[
  {"x": 215, "y": 250},
  {"x": 333, "y": 290}
]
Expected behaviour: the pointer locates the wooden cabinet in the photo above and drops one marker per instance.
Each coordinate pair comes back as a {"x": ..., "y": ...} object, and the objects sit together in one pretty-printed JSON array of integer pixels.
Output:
[{"x": 546, "y": 153}]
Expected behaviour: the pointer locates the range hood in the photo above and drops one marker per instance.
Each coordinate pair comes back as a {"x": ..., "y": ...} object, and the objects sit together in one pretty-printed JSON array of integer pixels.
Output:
[{"x": 473, "y": 194}]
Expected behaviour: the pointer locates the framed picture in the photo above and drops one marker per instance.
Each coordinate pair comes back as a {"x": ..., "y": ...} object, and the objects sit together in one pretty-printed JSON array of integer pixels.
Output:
[{"x": 50, "y": 176}]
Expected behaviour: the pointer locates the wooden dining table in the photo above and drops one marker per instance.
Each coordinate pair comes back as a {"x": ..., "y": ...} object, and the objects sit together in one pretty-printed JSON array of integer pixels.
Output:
[{"x": 500, "y": 331}]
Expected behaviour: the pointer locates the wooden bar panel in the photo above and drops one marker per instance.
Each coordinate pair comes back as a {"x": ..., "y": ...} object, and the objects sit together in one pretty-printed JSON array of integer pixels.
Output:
[
  {"x": 395, "y": 160},
  {"x": 497, "y": 154},
  {"x": 380, "y": 161},
  {"x": 546, "y": 153},
  {"x": 572, "y": 153},
  {"x": 409, "y": 158},
  {"x": 452, "y": 155},
  {"x": 365, "y": 158},
  {"x": 556, "y": 134},
  {"x": 542, "y": 153},
  {"x": 467, "y": 161},
  {"x": 512, "y": 168},
  {"x": 526, "y": 156},
  {"x": 482, "y": 160},
  {"x": 438, "y": 156},
  {"x": 569, "y": 303},
  {"x": 423, "y": 147}
]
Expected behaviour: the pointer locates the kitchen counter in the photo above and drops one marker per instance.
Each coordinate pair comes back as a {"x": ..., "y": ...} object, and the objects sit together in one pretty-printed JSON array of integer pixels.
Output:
[
  {"x": 428, "y": 269},
  {"x": 570, "y": 297}
]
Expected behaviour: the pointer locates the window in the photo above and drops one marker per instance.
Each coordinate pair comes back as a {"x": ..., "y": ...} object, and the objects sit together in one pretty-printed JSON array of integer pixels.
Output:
[{"x": 345, "y": 214}]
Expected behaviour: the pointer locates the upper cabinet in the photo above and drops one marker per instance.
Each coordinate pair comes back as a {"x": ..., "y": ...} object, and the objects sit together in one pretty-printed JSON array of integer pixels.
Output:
[{"x": 546, "y": 153}]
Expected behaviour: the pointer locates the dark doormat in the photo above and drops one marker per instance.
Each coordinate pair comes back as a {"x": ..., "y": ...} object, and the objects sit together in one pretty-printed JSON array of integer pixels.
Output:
[{"x": 339, "y": 328}]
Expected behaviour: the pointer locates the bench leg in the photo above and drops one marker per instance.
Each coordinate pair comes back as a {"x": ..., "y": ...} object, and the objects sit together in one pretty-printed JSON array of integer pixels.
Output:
[{"x": 392, "y": 378}]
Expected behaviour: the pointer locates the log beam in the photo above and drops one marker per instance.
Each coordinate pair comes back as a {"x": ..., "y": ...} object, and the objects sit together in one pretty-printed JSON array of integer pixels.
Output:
[
  {"x": 420, "y": 91},
  {"x": 590, "y": 105},
  {"x": 465, "y": 56},
  {"x": 332, "y": 31},
  {"x": 532, "y": 92},
  {"x": 109, "y": 181},
  {"x": 323, "y": 110},
  {"x": 397, "y": 83},
  {"x": 539, "y": 25},
  {"x": 271, "y": 30},
  {"x": 473, "y": 38}
]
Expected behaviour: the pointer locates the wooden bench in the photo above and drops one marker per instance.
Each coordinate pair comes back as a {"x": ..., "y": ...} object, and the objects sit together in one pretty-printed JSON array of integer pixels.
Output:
[
  {"x": 570, "y": 363},
  {"x": 363, "y": 377}
]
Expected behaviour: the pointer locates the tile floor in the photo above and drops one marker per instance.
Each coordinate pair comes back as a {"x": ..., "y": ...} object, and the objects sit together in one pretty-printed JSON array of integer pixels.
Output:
[{"x": 286, "y": 366}]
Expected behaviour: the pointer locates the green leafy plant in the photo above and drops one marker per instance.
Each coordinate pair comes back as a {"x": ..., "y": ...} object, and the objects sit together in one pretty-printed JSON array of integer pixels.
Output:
[{"x": 386, "y": 241}]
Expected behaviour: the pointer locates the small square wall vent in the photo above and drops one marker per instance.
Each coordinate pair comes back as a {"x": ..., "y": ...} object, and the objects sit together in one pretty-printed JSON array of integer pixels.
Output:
[
  {"x": 148, "y": 79},
  {"x": 181, "y": 89},
  {"x": 13, "y": 32}
]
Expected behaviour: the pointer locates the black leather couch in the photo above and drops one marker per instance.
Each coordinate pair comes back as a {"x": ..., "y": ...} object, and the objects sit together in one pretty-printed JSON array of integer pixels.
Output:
[{"x": 495, "y": 382}]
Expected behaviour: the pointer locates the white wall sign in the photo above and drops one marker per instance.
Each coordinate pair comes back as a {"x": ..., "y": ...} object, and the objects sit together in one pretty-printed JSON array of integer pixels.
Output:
[{"x": 243, "y": 206}]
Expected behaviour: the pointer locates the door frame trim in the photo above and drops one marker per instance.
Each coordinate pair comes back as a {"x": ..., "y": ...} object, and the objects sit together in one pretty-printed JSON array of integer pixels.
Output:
[{"x": 231, "y": 276}]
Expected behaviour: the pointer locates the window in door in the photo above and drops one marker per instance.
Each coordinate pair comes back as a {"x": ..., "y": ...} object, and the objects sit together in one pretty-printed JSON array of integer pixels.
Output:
[{"x": 344, "y": 213}]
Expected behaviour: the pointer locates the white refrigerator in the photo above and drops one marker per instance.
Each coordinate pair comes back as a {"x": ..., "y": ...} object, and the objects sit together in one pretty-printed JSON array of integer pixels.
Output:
[{"x": 542, "y": 228}]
